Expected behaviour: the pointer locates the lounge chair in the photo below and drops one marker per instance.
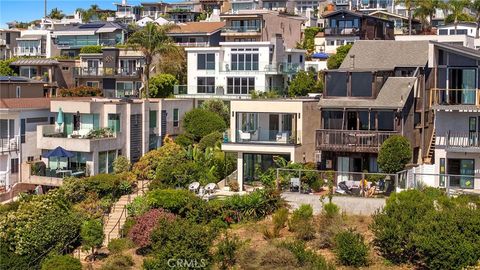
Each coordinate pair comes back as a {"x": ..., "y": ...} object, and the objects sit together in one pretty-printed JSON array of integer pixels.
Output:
[
  {"x": 194, "y": 187},
  {"x": 210, "y": 188}
]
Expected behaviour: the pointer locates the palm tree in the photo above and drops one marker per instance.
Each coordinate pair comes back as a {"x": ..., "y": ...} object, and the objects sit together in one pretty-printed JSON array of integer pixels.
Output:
[
  {"x": 425, "y": 10},
  {"x": 409, "y": 5},
  {"x": 475, "y": 7},
  {"x": 90, "y": 13},
  {"x": 457, "y": 7},
  {"x": 56, "y": 14},
  {"x": 152, "y": 40}
]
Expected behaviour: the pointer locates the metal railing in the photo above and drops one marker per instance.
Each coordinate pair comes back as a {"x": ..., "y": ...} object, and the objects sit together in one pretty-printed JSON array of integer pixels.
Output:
[
  {"x": 454, "y": 97},
  {"x": 9, "y": 144},
  {"x": 351, "y": 140},
  {"x": 458, "y": 139},
  {"x": 228, "y": 29},
  {"x": 87, "y": 42},
  {"x": 257, "y": 67},
  {"x": 342, "y": 31},
  {"x": 28, "y": 51},
  {"x": 102, "y": 72},
  {"x": 193, "y": 44}
]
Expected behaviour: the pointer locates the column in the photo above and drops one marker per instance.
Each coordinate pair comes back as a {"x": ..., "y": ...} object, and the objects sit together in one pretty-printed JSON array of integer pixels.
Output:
[{"x": 240, "y": 170}]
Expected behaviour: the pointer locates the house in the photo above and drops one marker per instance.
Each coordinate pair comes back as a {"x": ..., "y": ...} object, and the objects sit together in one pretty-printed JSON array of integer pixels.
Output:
[
  {"x": 69, "y": 41},
  {"x": 117, "y": 71},
  {"x": 369, "y": 6},
  {"x": 462, "y": 40},
  {"x": 454, "y": 99},
  {"x": 400, "y": 22},
  {"x": 126, "y": 13},
  {"x": 261, "y": 130},
  {"x": 97, "y": 130},
  {"x": 19, "y": 118},
  {"x": 366, "y": 101},
  {"x": 53, "y": 73},
  {"x": 244, "y": 5},
  {"x": 20, "y": 87},
  {"x": 345, "y": 27},
  {"x": 262, "y": 25},
  {"x": 184, "y": 11},
  {"x": 197, "y": 34},
  {"x": 462, "y": 28},
  {"x": 34, "y": 43},
  {"x": 153, "y": 10},
  {"x": 8, "y": 41},
  {"x": 235, "y": 69}
]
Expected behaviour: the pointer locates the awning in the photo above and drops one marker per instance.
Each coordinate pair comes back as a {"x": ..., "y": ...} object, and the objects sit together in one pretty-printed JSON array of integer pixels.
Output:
[
  {"x": 59, "y": 152},
  {"x": 320, "y": 55}
]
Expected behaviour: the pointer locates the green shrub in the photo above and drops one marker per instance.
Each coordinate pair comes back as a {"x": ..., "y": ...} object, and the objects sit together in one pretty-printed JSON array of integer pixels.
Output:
[
  {"x": 305, "y": 258},
  {"x": 303, "y": 213},
  {"x": 8, "y": 207},
  {"x": 225, "y": 254},
  {"x": 184, "y": 139},
  {"x": 394, "y": 154},
  {"x": 10, "y": 260},
  {"x": 335, "y": 61},
  {"x": 280, "y": 218},
  {"x": 330, "y": 210},
  {"x": 118, "y": 262},
  {"x": 119, "y": 245},
  {"x": 104, "y": 185},
  {"x": 275, "y": 258},
  {"x": 210, "y": 140},
  {"x": 253, "y": 206},
  {"x": 200, "y": 122},
  {"x": 91, "y": 49},
  {"x": 219, "y": 107},
  {"x": 127, "y": 226},
  {"x": 121, "y": 164},
  {"x": 61, "y": 262},
  {"x": 81, "y": 91},
  {"x": 92, "y": 235},
  {"x": 161, "y": 85},
  {"x": 138, "y": 206},
  {"x": 350, "y": 248},
  {"x": 177, "y": 201}
]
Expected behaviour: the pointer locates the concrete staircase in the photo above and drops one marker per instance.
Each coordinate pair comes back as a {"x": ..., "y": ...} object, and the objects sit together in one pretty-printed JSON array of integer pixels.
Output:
[{"x": 115, "y": 220}]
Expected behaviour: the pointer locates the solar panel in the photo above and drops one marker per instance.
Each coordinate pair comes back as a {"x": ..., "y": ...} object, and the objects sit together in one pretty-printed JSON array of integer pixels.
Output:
[
  {"x": 13, "y": 79},
  {"x": 91, "y": 25}
]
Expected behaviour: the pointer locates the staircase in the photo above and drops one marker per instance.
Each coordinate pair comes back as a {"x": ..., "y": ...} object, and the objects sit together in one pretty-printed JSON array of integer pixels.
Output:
[
  {"x": 429, "y": 158},
  {"x": 118, "y": 214}
]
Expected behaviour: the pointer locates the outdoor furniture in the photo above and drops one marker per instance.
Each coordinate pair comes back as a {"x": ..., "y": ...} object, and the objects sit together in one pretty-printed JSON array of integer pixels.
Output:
[
  {"x": 210, "y": 188},
  {"x": 79, "y": 173},
  {"x": 295, "y": 184},
  {"x": 244, "y": 135},
  {"x": 194, "y": 187},
  {"x": 282, "y": 137},
  {"x": 64, "y": 172}
]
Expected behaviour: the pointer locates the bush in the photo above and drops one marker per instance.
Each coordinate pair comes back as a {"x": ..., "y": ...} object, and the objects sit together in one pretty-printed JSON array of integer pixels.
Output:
[
  {"x": 219, "y": 107},
  {"x": 184, "y": 139},
  {"x": 104, "y": 185},
  {"x": 275, "y": 258},
  {"x": 161, "y": 85},
  {"x": 225, "y": 254},
  {"x": 92, "y": 235},
  {"x": 350, "y": 248},
  {"x": 118, "y": 262},
  {"x": 305, "y": 258},
  {"x": 5, "y": 69},
  {"x": 176, "y": 201},
  {"x": 210, "y": 140},
  {"x": 119, "y": 245},
  {"x": 200, "y": 122},
  {"x": 81, "y": 91},
  {"x": 280, "y": 218},
  {"x": 10, "y": 260},
  {"x": 303, "y": 213},
  {"x": 138, "y": 206},
  {"x": 330, "y": 210},
  {"x": 394, "y": 154},
  {"x": 304, "y": 82},
  {"x": 253, "y": 206},
  {"x": 91, "y": 49},
  {"x": 335, "y": 60},
  {"x": 121, "y": 164},
  {"x": 145, "y": 224},
  {"x": 234, "y": 186},
  {"x": 61, "y": 262}
]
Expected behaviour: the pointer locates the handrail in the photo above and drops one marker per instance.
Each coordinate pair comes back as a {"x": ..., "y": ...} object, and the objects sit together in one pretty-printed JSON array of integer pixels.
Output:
[{"x": 444, "y": 96}]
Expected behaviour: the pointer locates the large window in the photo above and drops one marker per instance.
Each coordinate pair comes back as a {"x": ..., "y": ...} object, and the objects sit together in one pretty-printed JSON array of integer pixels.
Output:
[
  {"x": 29, "y": 72},
  {"x": 114, "y": 122},
  {"x": 361, "y": 84},
  {"x": 337, "y": 84},
  {"x": 206, "y": 61},
  {"x": 386, "y": 121},
  {"x": 247, "y": 60},
  {"x": 153, "y": 119},
  {"x": 175, "y": 117},
  {"x": 124, "y": 89},
  {"x": 461, "y": 172},
  {"x": 93, "y": 84},
  {"x": 241, "y": 85},
  {"x": 7, "y": 128},
  {"x": 206, "y": 85},
  {"x": 105, "y": 161},
  {"x": 332, "y": 119}
]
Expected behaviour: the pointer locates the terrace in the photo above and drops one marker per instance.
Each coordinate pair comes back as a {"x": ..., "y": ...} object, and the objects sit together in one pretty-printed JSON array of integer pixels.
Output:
[{"x": 368, "y": 141}]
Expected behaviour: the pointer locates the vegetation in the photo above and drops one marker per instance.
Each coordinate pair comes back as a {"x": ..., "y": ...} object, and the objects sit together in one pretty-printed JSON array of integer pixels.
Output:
[
  {"x": 121, "y": 165},
  {"x": 475, "y": 8},
  {"x": 456, "y": 8},
  {"x": 308, "y": 42},
  {"x": 145, "y": 224},
  {"x": 264, "y": 95},
  {"x": 201, "y": 122},
  {"x": 335, "y": 60},
  {"x": 305, "y": 257},
  {"x": 81, "y": 91},
  {"x": 56, "y": 14},
  {"x": 118, "y": 261},
  {"x": 304, "y": 82},
  {"x": 394, "y": 154},
  {"x": 91, "y": 49},
  {"x": 61, "y": 262},
  {"x": 219, "y": 107},
  {"x": 92, "y": 235},
  {"x": 227, "y": 248},
  {"x": 211, "y": 140},
  {"x": 94, "y": 13},
  {"x": 117, "y": 246},
  {"x": 5, "y": 69},
  {"x": 301, "y": 222},
  {"x": 330, "y": 210},
  {"x": 350, "y": 248},
  {"x": 174, "y": 63},
  {"x": 161, "y": 85}
]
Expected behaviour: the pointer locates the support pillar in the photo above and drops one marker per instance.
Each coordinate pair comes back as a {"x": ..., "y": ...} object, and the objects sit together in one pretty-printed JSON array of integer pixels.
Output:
[{"x": 240, "y": 170}]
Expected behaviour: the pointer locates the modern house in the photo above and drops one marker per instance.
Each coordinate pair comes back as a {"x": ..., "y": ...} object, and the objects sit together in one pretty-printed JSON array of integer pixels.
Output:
[
  {"x": 198, "y": 34},
  {"x": 34, "y": 43},
  {"x": 97, "y": 130},
  {"x": 117, "y": 71},
  {"x": 69, "y": 41},
  {"x": 400, "y": 22},
  {"x": 261, "y": 130},
  {"x": 153, "y": 10},
  {"x": 8, "y": 41},
  {"x": 345, "y": 27},
  {"x": 184, "y": 11},
  {"x": 462, "y": 28},
  {"x": 262, "y": 25},
  {"x": 20, "y": 87},
  {"x": 19, "y": 118},
  {"x": 235, "y": 69},
  {"x": 455, "y": 101},
  {"x": 126, "y": 13},
  {"x": 366, "y": 101}
]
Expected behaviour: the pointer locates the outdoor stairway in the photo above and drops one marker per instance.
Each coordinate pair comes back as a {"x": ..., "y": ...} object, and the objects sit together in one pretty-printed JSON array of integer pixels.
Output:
[
  {"x": 431, "y": 150},
  {"x": 118, "y": 214}
]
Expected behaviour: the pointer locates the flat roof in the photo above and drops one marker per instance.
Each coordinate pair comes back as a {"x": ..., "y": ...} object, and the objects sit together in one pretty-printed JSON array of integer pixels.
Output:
[{"x": 17, "y": 79}]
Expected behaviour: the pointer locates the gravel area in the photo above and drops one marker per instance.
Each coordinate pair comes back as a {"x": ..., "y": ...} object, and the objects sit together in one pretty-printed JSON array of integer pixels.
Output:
[{"x": 351, "y": 205}]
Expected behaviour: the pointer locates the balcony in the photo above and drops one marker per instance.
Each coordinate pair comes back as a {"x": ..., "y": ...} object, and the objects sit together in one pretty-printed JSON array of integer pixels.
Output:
[
  {"x": 241, "y": 29},
  {"x": 87, "y": 72},
  {"x": 198, "y": 89},
  {"x": 454, "y": 97},
  {"x": 351, "y": 140},
  {"x": 461, "y": 141},
  {"x": 193, "y": 44},
  {"x": 81, "y": 42},
  {"x": 259, "y": 67},
  {"x": 9, "y": 144},
  {"x": 28, "y": 51},
  {"x": 336, "y": 31}
]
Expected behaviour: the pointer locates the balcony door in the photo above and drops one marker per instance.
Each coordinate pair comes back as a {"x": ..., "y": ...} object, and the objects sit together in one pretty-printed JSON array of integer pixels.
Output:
[
  {"x": 128, "y": 66},
  {"x": 92, "y": 66},
  {"x": 462, "y": 82},
  {"x": 273, "y": 126}
]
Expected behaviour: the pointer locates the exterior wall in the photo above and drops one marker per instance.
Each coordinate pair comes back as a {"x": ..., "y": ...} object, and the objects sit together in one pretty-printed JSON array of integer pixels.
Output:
[
  {"x": 311, "y": 121},
  {"x": 464, "y": 40},
  {"x": 7, "y": 46},
  {"x": 27, "y": 90},
  {"x": 183, "y": 106}
]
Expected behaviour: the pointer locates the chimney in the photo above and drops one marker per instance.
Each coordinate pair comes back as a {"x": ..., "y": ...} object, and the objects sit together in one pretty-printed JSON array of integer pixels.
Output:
[{"x": 352, "y": 62}]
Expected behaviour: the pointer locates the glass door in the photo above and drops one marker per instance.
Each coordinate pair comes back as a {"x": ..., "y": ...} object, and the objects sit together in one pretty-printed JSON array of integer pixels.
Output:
[
  {"x": 468, "y": 85},
  {"x": 467, "y": 167},
  {"x": 343, "y": 166}
]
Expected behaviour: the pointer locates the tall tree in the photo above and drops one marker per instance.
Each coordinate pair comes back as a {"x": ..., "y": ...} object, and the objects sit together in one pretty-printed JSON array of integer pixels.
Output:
[
  {"x": 152, "y": 40},
  {"x": 56, "y": 14},
  {"x": 425, "y": 11},
  {"x": 475, "y": 7},
  {"x": 456, "y": 7},
  {"x": 409, "y": 5}
]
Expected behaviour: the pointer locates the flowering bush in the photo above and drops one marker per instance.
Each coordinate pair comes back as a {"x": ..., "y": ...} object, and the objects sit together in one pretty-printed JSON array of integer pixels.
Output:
[{"x": 141, "y": 231}]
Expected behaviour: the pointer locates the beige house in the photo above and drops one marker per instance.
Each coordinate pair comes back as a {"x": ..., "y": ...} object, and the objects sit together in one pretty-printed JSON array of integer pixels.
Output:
[
  {"x": 263, "y": 129},
  {"x": 20, "y": 87}
]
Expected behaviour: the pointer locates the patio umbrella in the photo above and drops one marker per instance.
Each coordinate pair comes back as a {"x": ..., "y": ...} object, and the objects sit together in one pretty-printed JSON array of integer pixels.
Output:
[
  {"x": 60, "y": 117},
  {"x": 58, "y": 152}
]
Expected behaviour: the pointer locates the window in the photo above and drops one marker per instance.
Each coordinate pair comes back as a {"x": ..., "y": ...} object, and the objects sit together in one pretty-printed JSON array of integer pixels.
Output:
[
  {"x": 301, "y": 59},
  {"x": 442, "y": 171},
  {"x": 244, "y": 61},
  {"x": 7, "y": 128},
  {"x": 289, "y": 58},
  {"x": 206, "y": 61},
  {"x": 93, "y": 84},
  {"x": 361, "y": 84},
  {"x": 114, "y": 122},
  {"x": 124, "y": 89},
  {"x": 30, "y": 158},
  {"x": 336, "y": 84},
  {"x": 331, "y": 42},
  {"x": 241, "y": 85},
  {"x": 105, "y": 161},
  {"x": 206, "y": 85},
  {"x": 14, "y": 165},
  {"x": 463, "y": 171},
  {"x": 443, "y": 32},
  {"x": 37, "y": 120},
  {"x": 385, "y": 121},
  {"x": 28, "y": 72},
  {"x": 153, "y": 119},
  {"x": 175, "y": 117},
  {"x": 332, "y": 119},
  {"x": 22, "y": 130},
  {"x": 65, "y": 68},
  {"x": 18, "y": 92}
]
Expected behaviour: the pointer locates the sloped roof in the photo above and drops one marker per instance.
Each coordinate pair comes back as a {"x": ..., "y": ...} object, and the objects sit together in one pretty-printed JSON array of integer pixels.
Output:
[
  {"x": 25, "y": 103},
  {"x": 386, "y": 54},
  {"x": 198, "y": 27},
  {"x": 35, "y": 62},
  {"x": 17, "y": 79},
  {"x": 392, "y": 95},
  {"x": 470, "y": 52}
]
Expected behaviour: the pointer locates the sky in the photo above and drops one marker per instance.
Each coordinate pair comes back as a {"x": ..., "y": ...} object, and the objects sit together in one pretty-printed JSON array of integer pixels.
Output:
[{"x": 28, "y": 10}]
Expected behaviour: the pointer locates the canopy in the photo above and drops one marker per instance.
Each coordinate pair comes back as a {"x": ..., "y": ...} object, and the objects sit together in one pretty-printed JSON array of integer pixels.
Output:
[
  {"x": 60, "y": 117},
  {"x": 320, "y": 55},
  {"x": 59, "y": 152}
]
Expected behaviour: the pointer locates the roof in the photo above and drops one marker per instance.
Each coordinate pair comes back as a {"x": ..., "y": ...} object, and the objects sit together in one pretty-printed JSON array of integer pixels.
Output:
[
  {"x": 25, "y": 103},
  {"x": 469, "y": 52},
  {"x": 452, "y": 25},
  {"x": 91, "y": 28},
  {"x": 198, "y": 27},
  {"x": 393, "y": 53},
  {"x": 17, "y": 79},
  {"x": 389, "y": 14},
  {"x": 353, "y": 13},
  {"x": 30, "y": 37},
  {"x": 35, "y": 62},
  {"x": 393, "y": 95}
]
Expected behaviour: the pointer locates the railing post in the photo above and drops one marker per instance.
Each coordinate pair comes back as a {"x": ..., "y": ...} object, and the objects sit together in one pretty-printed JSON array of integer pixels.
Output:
[{"x": 447, "y": 184}]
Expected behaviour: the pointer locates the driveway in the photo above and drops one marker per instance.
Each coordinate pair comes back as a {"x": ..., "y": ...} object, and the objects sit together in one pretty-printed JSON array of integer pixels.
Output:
[{"x": 351, "y": 205}]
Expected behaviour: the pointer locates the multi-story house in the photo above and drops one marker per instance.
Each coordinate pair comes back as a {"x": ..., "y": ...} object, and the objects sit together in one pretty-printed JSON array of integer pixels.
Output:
[
  {"x": 8, "y": 41},
  {"x": 366, "y": 101},
  {"x": 69, "y": 41},
  {"x": 400, "y": 22},
  {"x": 235, "y": 69},
  {"x": 455, "y": 101},
  {"x": 117, "y": 71},
  {"x": 19, "y": 118},
  {"x": 97, "y": 130},
  {"x": 185, "y": 11},
  {"x": 262, "y": 25},
  {"x": 345, "y": 27},
  {"x": 153, "y": 10},
  {"x": 20, "y": 87},
  {"x": 126, "y": 13},
  {"x": 198, "y": 34},
  {"x": 239, "y": 5},
  {"x": 34, "y": 43},
  {"x": 261, "y": 130}
]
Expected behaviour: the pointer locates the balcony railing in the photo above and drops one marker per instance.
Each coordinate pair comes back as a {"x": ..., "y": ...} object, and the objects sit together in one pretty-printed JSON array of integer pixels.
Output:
[
  {"x": 199, "y": 89},
  {"x": 257, "y": 67},
  {"x": 104, "y": 72},
  {"x": 265, "y": 135},
  {"x": 351, "y": 140},
  {"x": 241, "y": 29},
  {"x": 337, "y": 31},
  {"x": 28, "y": 51},
  {"x": 446, "y": 97},
  {"x": 9, "y": 144},
  {"x": 193, "y": 44},
  {"x": 88, "y": 42},
  {"x": 455, "y": 139}
]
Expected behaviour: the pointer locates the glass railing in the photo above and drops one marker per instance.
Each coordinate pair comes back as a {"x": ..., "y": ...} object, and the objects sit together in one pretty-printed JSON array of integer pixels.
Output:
[
  {"x": 455, "y": 97},
  {"x": 88, "y": 42},
  {"x": 262, "y": 135},
  {"x": 241, "y": 29},
  {"x": 342, "y": 31},
  {"x": 95, "y": 71}
]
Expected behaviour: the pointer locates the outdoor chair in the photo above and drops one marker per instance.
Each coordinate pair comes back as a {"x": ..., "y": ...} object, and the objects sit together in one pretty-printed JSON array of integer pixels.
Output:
[
  {"x": 210, "y": 188},
  {"x": 295, "y": 184},
  {"x": 193, "y": 187}
]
